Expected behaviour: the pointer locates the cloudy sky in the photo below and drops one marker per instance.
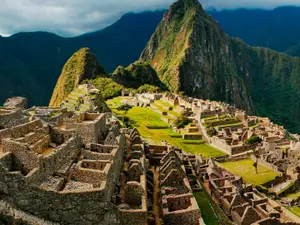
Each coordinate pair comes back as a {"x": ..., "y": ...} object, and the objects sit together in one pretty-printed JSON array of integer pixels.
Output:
[{"x": 74, "y": 17}]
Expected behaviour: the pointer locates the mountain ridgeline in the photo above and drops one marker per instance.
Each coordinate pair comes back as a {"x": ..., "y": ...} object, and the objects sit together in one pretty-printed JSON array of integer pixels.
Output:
[
  {"x": 30, "y": 63},
  {"x": 83, "y": 67},
  {"x": 192, "y": 54}
]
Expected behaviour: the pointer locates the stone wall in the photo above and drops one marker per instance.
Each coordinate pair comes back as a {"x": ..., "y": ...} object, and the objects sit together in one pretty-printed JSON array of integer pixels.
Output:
[
  {"x": 101, "y": 148},
  {"x": 90, "y": 129},
  {"x": 28, "y": 158},
  {"x": 183, "y": 217},
  {"x": 22, "y": 130},
  {"x": 241, "y": 149},
  {"x": 265, "y": 164},
  {"x": 42, "y": 144},
  {"x": 221, "y": 144},
  {"x": 133, "y": 217},
  {"x": 192, "y": 136},
  {"x": 62, "y": 155},
  {"x": 89, "y": 176},
  {"x": 90, "y": 207},
  {"x": 6, "y": 133},
  {"x": 11, "y": 117},
  {"x": 178, "y": 202}
]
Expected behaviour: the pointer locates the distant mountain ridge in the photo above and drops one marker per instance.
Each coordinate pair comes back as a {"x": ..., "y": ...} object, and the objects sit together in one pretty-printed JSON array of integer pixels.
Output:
[
  {"x": 276, "y": 29},
  {"x": 30, "y": 63}
]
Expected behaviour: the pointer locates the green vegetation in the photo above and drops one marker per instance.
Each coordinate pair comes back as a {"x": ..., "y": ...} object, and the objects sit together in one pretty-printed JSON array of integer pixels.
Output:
[
  {"x": 82, "y": 65},
  {"x": 245, "y": 169},
  {"x": 136, "y": 75},
  {"x": 253, "y": 140},
  {"x": 253, "y": 126},
  {"x": 182, "y": 121},
  {"x": 160, "y": 102},
  {"x": 220, "y": 122},
  {"x": 295, "y": 210},
  {"x": 154, "y": 129},
  {"x": 167, "y": 47},
  {"x": 291, "y": 184},
  {"x": 207, "y": 212},
  {"x": 294, "y": 195},
  {"x": 274, "y": 85},
  {"x": 147, "y": 88},
  {"x": 108, "y": 88}
]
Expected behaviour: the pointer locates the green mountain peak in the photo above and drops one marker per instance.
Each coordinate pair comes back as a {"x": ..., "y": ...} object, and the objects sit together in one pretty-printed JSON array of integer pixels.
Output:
[
  {"x": 192, "y": 54},
  {"x": 82, "y": 65}
]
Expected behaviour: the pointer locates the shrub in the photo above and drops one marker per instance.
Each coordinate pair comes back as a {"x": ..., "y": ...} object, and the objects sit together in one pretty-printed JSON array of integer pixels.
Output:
[
  {"x": 182, "y": 121},
  {"x": 211, "y": 131},
  {"x": 147, "y": 88},
  {"x": 253, "y": 140},
  {"x": 107, "y": 87}
]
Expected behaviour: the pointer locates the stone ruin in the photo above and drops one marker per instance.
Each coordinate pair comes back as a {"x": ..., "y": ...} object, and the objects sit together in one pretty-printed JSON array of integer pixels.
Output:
[
  {"x": 242, "y": 203},
  {"x": 178, "y": 203},
  {"x": 68, "y": 168},
  {"x": 16, "y": 102}
]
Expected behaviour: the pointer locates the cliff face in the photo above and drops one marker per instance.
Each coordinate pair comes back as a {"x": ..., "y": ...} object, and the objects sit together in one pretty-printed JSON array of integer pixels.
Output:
[
  {"x": 192, "y": 54},
  {"x": 82, "y": 65}
]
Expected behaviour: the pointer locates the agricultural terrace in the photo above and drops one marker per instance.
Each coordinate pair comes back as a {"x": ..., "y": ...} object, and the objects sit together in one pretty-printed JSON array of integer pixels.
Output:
[
  {"x": 247, "y": 171},
  {"x": 153, "y": 129},
  {"x": 295, "y": 210},
  {"x": 220, "y": 121}
]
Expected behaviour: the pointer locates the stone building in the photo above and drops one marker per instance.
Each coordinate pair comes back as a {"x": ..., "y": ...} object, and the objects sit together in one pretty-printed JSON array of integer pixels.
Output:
[
  {"x": 177, "y": 201},
  {"x": 240, "y": 202},
  {"x": 68, "y": 170}
]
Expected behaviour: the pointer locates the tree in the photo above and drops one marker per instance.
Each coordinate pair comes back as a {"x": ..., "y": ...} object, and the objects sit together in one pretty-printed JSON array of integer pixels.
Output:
[
  {"x": 256, "y": 153},
  {"x": 182, "y": 121},
  {"x": 255, "y": 164},
  {"x": 125, "y": 108},
  {"x": 253, "y": 140}
]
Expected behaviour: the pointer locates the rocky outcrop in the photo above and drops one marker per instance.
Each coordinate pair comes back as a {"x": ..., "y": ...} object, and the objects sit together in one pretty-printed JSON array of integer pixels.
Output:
[
  {"x": 82, "y": 65},
  {"x": 193, "y": 55}
]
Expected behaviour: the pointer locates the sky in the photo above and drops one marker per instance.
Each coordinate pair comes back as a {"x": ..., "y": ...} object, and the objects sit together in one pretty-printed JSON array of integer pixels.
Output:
[{"x": 75, "y": 17}]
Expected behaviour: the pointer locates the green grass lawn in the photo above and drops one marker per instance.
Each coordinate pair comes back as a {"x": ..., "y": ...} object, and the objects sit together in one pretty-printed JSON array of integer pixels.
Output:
[
  {"x": 114, "y": 103},
  {"x": 294, "y": 195},
  {"x": 245, "y": 169},
  {"x": 174, "y": 113},
  {"x": 142, "y": 118},
  {"x": 207, "y": 212},
  {"x": 295, "y": 210},
  {"x": 163, "y": 103}
]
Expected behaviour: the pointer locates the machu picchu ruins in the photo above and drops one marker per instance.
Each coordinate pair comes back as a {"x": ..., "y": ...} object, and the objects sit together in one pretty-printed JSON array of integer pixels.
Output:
[
  {"x": 77, "y": 165},
  {"x": 167, "y": 140}
]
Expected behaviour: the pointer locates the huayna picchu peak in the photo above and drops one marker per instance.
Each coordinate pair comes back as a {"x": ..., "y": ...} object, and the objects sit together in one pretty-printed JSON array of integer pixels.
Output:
[{"x": 192, "y": 54}]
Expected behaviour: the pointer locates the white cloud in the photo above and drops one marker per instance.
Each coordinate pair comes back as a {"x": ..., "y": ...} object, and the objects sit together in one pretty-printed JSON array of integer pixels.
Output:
[{"x": 74, "y": 17}]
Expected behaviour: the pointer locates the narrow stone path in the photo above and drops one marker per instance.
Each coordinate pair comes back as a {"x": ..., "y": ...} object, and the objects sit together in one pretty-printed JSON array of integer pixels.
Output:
[{"x": 156, "y": 200}]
